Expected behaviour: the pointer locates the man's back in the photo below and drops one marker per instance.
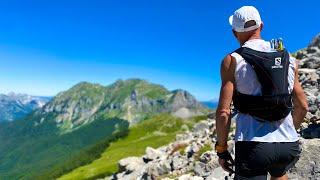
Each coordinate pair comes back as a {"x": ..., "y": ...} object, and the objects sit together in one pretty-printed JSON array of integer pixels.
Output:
[{"x": 247, "y": 127}]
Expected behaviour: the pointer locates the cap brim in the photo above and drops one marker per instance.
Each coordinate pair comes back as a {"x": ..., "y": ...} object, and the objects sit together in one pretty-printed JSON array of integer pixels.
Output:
[{"x": 231, "y": 19}]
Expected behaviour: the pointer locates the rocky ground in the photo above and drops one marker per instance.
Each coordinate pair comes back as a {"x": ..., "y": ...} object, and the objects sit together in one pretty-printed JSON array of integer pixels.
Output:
[
  {"x": 309, "y": 76},
  {"x": 191, "y": 156}
]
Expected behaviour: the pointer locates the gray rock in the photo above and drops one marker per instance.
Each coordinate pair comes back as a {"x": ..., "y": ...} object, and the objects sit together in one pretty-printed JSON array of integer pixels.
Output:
[
  {"x": 179, "y": 162},
  {"x": 201, "y": 169},
  {"x": 184, "y": 137},
  {"x": 218, "y": 174},
  {"x": 158, "y": 168},
  {"x": 152, "y": 154},
  {"x": 308, "y": 166},
  {"x": 130, "y": 164},
  {"x": 207, "y": 157},
  {"x": 192, "y": 148},
  {"x": 201, "y": 126},
  {"x": 189, "y": 177}
]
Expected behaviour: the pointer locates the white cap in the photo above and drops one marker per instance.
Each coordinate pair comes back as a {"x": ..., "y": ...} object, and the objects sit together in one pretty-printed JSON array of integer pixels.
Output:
[{"x": 243, "y": 15}]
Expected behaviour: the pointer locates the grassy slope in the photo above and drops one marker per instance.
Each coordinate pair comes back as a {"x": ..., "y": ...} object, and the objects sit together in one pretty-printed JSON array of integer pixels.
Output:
[
  {"x": 120, "y": 90},
  {"x": 28, "y": 154},
  {"x": 140, "y": 136}
]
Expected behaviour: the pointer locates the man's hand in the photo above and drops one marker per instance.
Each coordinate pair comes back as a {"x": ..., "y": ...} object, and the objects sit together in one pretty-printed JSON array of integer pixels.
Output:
[{"x": 226, "y": 161}]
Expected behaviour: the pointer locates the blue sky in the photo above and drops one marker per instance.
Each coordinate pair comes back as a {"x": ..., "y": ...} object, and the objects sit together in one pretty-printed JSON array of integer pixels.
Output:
[{"x": 48, "y": 46}]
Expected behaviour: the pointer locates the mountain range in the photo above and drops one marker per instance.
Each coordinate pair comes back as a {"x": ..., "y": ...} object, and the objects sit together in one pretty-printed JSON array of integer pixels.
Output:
[
  {"x": 16, "y": 106},
  {"x": 75, "y": 126}
]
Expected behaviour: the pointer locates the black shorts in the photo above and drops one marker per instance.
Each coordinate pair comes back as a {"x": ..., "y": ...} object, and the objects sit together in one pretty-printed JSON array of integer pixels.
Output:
[{"x": 254, "y": 160}]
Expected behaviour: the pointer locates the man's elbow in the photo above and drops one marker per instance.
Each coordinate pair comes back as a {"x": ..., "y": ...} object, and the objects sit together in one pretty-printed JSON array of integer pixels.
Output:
[
  {"x": 303, "y": 108},
  {"x": 222, "y": 114}
]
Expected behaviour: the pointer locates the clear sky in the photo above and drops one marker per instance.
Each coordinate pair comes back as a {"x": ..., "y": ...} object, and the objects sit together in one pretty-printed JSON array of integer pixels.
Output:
[{"x": 48, "y": 46}]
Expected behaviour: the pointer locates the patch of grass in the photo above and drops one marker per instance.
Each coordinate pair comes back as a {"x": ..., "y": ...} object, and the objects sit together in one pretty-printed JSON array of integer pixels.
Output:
[
  {"x": 140, "y": 136},
  {"x": 199, "y": 118},
  {"x": 180, "y": 147},
  {"x": 171, "y": 176},
  {"x": 203, "y": 149}
]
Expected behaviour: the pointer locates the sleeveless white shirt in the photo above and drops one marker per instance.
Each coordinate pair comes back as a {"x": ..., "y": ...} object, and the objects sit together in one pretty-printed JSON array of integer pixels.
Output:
[{"x": 248, "y": 128}]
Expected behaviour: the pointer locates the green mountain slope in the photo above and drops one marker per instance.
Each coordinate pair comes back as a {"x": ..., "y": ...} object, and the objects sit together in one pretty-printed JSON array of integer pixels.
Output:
[
  {"x": 78, "y": 124},
  {"x": 132, "y": 100},
  {"x": 154, "y": 132},
  {"x": 30, "y": 153}
]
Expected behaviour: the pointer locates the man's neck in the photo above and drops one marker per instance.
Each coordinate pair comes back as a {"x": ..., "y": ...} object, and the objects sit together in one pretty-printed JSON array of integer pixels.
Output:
[{"x": 254, "y": 36}]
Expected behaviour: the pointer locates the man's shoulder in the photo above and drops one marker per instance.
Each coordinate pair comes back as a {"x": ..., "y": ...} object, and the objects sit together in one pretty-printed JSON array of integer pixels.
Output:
[
  {"x": 228, "y": 64},
  {"x": 227, "y": 60}
]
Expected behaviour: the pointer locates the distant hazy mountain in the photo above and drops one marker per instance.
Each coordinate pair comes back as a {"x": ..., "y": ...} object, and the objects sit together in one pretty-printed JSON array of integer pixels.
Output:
[
  {"x": 16, "y": 106},
  {"x": 212, "y": 104},
  {"x": 78, "y": 123}
]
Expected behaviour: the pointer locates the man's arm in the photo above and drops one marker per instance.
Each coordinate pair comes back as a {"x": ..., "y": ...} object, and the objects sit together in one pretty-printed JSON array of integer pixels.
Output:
[
  {"x": 300, "y": 103},
  {"x": 223, "y": 111}
]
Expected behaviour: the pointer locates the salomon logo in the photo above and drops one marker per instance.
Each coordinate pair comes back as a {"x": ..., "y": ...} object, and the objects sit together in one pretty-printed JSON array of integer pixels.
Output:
[{"x": 277, "y": 63}]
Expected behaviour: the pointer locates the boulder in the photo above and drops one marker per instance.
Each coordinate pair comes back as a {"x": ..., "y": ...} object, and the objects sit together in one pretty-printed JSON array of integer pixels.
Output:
[
  {"x": 179, "y": 162},
  {"x": 219, "y": 174},
  {"x": 130, "y": 164},
  {"x": 158, "y": 168},
  {"x": 202, "y": 169},
  {"x": 201, "y": 126},
  {"x": 152, "y": 154},
  {"x": 189, "y": 177},
  {"x": 208, "y": 156}
]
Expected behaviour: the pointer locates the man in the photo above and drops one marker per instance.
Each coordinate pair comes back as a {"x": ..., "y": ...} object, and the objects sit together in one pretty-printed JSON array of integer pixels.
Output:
[{"x": 260, "y": 81}]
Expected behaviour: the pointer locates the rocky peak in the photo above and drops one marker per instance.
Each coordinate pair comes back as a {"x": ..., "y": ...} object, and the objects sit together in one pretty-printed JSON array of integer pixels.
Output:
[
  {"x": 315, "y": 42},
  {"x": 133, "y": 95},
  {"x": 309, "y": 53},
  {"x": 75, "y": 106},
  {"x": 182, "y": 98}
]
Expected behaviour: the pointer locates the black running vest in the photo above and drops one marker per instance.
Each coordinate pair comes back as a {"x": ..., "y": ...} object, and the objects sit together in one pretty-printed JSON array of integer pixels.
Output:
[{"x": 271, "y": 68}]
